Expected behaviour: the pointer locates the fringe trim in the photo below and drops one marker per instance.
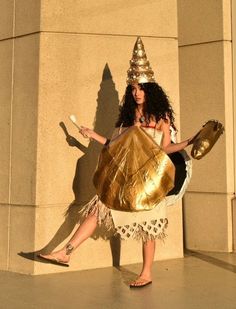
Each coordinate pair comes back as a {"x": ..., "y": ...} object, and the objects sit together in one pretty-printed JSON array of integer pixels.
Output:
[
  {"x": 141, "y": 234},
  {"x": 144, "y": 231},
  {"x": 104, "y": 217},
  {"x": 103, "y": 214},
  {"x": 145, "y": 236}
]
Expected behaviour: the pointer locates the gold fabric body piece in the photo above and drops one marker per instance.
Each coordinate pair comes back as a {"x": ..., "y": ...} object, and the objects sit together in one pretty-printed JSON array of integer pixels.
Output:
[
  {"x": 133, "y": 172},
  {"x": 206, "y": 138},
  {"x": 140, "y": 70},
  {"x": 139, "y": 225}
]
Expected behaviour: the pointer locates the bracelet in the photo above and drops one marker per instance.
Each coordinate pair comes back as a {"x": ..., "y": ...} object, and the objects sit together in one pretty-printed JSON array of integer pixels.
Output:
[{"x": 107, "y": 142}]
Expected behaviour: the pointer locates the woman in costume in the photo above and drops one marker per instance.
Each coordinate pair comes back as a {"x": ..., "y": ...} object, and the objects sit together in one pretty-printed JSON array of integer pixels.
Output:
[{"x": 145, "y": 122}]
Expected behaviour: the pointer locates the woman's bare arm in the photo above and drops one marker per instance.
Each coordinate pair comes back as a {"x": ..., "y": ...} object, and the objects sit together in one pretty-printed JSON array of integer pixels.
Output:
[
  {"x": 88, "y": 133},
  {"x": 167, "y": 146},
  {"x": 176, "y": 147}
]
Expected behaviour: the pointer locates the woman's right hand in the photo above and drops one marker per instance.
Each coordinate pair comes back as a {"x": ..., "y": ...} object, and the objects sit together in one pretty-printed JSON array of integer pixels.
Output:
[
  {"x": 86, "y": 132},
  {"x": 92, "y": 135}
]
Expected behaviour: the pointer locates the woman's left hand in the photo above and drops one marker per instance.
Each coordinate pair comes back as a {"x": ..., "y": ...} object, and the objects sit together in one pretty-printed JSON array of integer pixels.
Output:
[{"x": 192, "y": 139}]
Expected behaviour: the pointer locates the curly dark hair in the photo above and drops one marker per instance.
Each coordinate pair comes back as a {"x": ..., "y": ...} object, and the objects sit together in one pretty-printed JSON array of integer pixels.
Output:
[{"x": 157, "y": 105}]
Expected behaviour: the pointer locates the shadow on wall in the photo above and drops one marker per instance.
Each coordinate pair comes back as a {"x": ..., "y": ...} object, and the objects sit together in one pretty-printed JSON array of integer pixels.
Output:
[{"x": 105, "y": 118}]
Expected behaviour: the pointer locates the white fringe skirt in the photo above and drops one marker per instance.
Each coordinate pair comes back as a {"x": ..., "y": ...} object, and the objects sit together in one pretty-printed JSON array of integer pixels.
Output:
[{"x": 144, "y": 225}]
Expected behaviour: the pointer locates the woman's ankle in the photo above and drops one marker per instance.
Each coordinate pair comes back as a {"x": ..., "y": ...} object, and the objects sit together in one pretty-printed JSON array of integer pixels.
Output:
[
  {"x": 69, "y": 249},
  {"x": 146, "y": 275}
]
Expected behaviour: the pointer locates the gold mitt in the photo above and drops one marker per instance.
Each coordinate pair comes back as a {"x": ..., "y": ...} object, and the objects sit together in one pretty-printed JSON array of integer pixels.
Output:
[
  {"x": 206, "y": 138},
  {"x": 133, "y": 172}
]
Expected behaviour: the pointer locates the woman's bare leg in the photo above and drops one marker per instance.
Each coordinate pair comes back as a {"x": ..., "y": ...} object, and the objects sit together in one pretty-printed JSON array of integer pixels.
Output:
[
  {"x": 84, "y": 231},
  {"x": 148, "y": 257}
]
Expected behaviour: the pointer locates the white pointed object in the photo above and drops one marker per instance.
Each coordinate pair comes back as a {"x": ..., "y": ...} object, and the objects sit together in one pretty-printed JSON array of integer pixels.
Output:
[{"x": 73, "y": 120}]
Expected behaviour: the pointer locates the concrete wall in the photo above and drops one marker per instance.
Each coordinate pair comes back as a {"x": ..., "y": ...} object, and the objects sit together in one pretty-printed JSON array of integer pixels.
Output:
[
  {"x": 205, "y": 58},
  {"x": 60, "y": 58}
]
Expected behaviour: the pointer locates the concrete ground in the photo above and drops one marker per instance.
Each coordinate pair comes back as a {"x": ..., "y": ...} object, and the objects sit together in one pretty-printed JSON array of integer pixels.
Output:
[{"x": 200, "y": 280}]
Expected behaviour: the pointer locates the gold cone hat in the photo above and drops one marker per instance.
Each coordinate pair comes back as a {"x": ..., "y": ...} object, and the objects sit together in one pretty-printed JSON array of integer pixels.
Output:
[{"x": 140, "y": 70}]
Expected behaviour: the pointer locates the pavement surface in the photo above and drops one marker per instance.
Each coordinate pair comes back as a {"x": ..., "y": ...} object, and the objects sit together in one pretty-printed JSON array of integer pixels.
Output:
[{"x": 200, "y": 280}]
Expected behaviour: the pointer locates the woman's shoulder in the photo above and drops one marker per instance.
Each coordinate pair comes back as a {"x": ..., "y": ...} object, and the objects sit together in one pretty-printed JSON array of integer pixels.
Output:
[{"x": 164, "y": 121}]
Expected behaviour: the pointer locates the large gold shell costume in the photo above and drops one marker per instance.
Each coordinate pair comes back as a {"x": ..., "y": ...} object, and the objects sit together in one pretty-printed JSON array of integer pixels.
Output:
[
  {"x": 133, "y": 172},
  {"x": 144, "y": 224}
]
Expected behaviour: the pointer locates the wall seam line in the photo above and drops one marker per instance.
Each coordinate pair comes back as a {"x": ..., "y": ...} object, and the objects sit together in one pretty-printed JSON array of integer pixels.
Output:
[
  {"x": 233, "y": 53},
  {"x": 11, "y": 129},
  {"x": 87, "y": 33},
  {"x": 203, "y": 43},
  {"x": 233, "y": 48},
  {"x": 212, "y": 193}
]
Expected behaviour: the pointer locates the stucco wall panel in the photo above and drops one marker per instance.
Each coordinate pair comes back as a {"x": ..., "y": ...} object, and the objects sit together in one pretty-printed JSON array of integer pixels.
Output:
[
  {"x": 111, "y": 17},
  {"x": 24, "y": 119},
  {"x": 27, "y": 16},
  {"x": 206, "y": 220},
  {"x": 6, "y": 50},
  {"x": 202, "y": 94},
  {"x": 6, "y": 19},
  {"x": 4, "y": 235},
  {"x": 21, "y": 238},
  {"x": 203, "y": 21}
]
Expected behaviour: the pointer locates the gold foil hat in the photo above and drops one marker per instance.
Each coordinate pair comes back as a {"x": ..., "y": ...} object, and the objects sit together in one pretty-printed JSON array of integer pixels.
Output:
[{"x": 140, "y": 70}]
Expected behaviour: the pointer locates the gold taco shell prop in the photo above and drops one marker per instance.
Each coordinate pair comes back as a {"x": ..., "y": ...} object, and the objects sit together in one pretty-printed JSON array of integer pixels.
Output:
[
  {"x": 133, "y": 172},
  {"x": 206, "y": 138},
  {"x": 140, "y": 70}
]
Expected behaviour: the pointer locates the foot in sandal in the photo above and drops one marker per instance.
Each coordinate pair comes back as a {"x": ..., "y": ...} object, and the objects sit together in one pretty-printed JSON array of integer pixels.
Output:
[
  {"x": 61, "y": 257},
  {"x": 140, "y": 282},
  {"x": 51, "y": 258}
]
